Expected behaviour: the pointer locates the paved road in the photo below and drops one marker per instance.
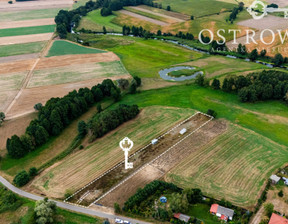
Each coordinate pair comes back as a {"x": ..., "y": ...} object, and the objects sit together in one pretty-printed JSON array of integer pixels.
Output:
[{"x": 67, "y": 206}]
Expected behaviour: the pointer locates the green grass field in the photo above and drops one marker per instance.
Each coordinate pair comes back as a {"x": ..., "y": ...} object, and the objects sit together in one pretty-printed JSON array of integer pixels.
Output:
[
  {"x": 62, "y": 47},
  {"x": 27, "y": 30},
  {"x": 269, "y": 119},
  {"x": 144, "y": 58},
  {"x": 29, "y": 14},
  {"x": 196, "y": 7},
  {"x": 94, "y": 21},
  {"x": 235, "y": 166},
  {"x": 18, "y": 49}
]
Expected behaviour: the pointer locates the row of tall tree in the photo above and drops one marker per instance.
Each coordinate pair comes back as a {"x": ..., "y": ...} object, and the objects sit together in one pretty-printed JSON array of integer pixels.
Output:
[
  {"x": 265, "y": 85},
  {"x": 108, "y": 120},
  {"x": 57, "y": 114}
]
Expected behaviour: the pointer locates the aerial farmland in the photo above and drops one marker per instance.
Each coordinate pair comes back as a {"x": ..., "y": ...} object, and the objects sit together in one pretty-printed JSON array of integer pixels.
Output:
[{"x": 146, "y": 111}]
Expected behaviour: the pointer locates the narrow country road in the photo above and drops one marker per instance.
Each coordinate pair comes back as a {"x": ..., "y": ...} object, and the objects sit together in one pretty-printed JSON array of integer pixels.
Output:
[{"x": 67, "y": 206}]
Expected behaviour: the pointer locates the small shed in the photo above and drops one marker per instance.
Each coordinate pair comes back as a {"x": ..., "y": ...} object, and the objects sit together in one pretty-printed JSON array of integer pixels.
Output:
[
  {"x": 275, "y": 179},
  {"x": 154, "y": 141},
  {"x": 183, "y": 131},
  {"x": 182, "y": 217}
]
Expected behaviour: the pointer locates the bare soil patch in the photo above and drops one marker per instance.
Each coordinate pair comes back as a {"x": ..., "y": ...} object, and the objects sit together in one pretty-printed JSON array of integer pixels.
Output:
[
  {"x": 65, "y": 60},
  {"x": 175, "y": 15},
  {"x": 28, "y": 5},
  {"x": 17, "y": 66},
  {"x": 157, "y": 22},
  {"x": 18, "y": 57},
  {"x": 25, "y": 38},
  {"x": 27, "y": 23},
  {"x": 170, "y": 18},
  {"x": 30, "y": 97}
]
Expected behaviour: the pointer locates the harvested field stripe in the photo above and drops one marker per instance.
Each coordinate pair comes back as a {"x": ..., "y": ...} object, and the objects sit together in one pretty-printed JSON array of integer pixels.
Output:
[
  {"x": 27, "y": 23},
  {"x": 157, "y": 22},
  {"x": 25, "y": 38},
  {"x": 137, "y": 171},
  {"x": 143, "y": 148},
  {"x": 27, "y": 30}
]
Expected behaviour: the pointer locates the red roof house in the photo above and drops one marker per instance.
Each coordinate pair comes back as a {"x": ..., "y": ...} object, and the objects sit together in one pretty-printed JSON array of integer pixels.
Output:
[
  {"x": 277, "y": 219},
  {"x": 223, "y": 213}
]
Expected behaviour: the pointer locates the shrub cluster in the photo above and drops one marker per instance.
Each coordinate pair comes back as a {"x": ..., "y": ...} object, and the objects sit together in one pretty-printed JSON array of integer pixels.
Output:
[
  {"x": 8, "y": 200},
  {"x": 58, "y": 114},
  {"x": 108, "y": 120}
]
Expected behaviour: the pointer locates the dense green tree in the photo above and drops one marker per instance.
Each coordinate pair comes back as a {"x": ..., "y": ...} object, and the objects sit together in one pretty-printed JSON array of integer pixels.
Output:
[
  {"x": 137, "y": 80},
  {"x": 116, "y": 94},
  {"x": 179, "y": 202},
  {"x": 14, "y": 147},
  {"x": 41, "y": 135},
  {"x": 159, "y": 33},
  {"x": 194, "y": 196},
  {"x": 45, "y": 211},
  {"x": 38, "y": 106},
  {"x": 117, "y": 208},
  {"x": 32, "y": 172},
  {"x": 132, "y": 88},
  {"x": 253, "y": 55},
  {"x": 62, "y": 31},
  {"x": 269, "y": 208},
  {"x": 99, "y": 108},
  {"x": 278, "y": 59},
  {"x": 123, "y": 83},
  {"x": 263, "y": 53},
  {"x": 104, "y": 30},
  {"x": 21, "y": 179},
  {"x": 82, "y": 128},
  {"x": 211, "y": 113},
  {"x": 168, "y": 8},
  {"x": 2, "y": 116},
  {"x": 215, "y": 84},
  {"x": 199, "y": 80},
  {"x": 27, "y": 143},
  {"x": 105, "y": 11}
]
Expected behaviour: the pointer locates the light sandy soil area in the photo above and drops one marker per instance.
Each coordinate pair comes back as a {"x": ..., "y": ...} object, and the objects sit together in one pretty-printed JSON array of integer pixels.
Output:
[
  {"x": 170, "y": 18},
  {"x": 157, "y": 22},
  {"x": 25, "y": 38},
  {"x": 65, "y": 60},
  {"x": 16, "y": 66},
  {"x": 20, "y": 57},
  {"x": 27, "y": 23},
  {"x": 28, "y": 5}
]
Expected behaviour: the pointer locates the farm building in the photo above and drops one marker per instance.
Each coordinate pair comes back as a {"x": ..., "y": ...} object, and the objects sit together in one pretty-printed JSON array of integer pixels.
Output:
[
  {"x": 154, "y": 141},
  {"x": 277, "y": 219},
  {"x": 182, "y": 217},
  {"x": 222, "y": 212},
  {"x": 275, "y": 179},
  {"x": 183, "y": 131}
]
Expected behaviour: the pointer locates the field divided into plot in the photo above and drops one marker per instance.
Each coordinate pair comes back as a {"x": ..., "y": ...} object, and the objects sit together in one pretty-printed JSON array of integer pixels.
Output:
[
  {"x": 234, "y": 166},
  {"x": 84, "y": 166}
]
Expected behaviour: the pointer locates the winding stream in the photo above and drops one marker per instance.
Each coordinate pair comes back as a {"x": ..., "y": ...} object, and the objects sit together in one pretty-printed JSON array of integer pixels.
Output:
[{"x": 164, "y": 74}]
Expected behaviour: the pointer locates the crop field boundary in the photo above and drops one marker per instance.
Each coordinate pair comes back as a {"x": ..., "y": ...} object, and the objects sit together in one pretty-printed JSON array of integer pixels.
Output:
[
  {"x": 87, "y": 185},
  {"x": 144, "y": 166}
]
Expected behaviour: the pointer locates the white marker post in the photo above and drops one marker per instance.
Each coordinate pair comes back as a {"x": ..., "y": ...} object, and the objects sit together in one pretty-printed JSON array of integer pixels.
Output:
[{"x": 126, "y": 145}]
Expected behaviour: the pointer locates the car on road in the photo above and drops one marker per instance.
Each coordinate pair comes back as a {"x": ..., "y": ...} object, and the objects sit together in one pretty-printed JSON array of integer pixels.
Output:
[
  {"x": 126, "y": 222},
  {"x": 119, "y": 221}
]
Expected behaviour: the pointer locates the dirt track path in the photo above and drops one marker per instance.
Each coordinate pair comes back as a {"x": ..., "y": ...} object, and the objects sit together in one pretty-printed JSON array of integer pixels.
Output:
[{"x": 157, "y": 22}]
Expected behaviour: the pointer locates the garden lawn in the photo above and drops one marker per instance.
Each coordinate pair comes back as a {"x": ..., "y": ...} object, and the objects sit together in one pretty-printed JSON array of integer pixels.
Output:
[
  {"x": 62, "y": 47},
  {"x": 18, "y": 49},
  {"x": 201, "y": 211},
  {"x": 27, "y": 30}
]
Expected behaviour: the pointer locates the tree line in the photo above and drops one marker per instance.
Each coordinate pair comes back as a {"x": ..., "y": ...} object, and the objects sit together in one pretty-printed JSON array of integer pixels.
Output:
[
  {"x": 108, "y": 120},
  {"x": 57, "y": 114},
  {"x": 264, "y": 85}
]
